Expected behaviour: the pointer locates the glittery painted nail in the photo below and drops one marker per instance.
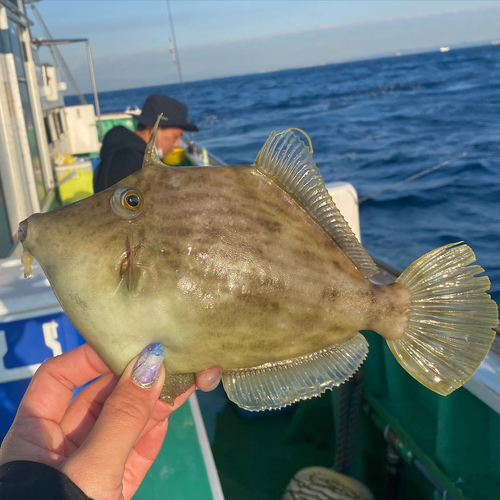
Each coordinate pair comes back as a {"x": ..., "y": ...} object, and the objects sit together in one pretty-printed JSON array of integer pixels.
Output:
[{"x": 148, "y": 366}]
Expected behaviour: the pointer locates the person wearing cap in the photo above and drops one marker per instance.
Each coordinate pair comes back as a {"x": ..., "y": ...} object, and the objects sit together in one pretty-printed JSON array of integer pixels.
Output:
[{"x": 122, "y": 150}]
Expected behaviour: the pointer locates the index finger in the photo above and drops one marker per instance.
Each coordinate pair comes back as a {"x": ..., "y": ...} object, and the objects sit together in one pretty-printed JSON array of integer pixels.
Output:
[{"x": 51, "y": 388}]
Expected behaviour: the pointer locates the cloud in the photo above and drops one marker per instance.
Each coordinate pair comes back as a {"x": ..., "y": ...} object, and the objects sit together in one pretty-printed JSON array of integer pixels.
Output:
[
  {"x": 299, "y": 48},
  {"x": 348, "y": 25},
  {"x": 413, "y": 17}
]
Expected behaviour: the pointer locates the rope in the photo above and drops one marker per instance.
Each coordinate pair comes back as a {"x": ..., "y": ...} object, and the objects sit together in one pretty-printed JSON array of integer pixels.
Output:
[
  {"x": 342, "y": 429},
  {"x": 350, "y": 401},
  {"x": 57, "y": 56}
]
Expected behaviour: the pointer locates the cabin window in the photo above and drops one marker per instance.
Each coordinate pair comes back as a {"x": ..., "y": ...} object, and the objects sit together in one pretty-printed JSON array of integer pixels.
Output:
[
  {"x": 58, "y": 124},
  {"x": 5, "y": 234},
  {"x": 16, "y": 48},
  {"x": 33, "y": 144},
  {"x": 19, "y": 53},
  {"x": 64, "y": 123},
  {"x": 50, "y": 140},
  {"x": 52, "y": 125}
]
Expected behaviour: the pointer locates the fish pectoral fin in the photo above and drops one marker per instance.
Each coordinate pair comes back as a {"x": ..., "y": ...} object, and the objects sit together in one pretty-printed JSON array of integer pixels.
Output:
[
  {"x": 130, "y": 268},
  {"x": 282, "y": 383},
  {"x": 286, "y": 159},
  {"x": 175, "y": 385}
]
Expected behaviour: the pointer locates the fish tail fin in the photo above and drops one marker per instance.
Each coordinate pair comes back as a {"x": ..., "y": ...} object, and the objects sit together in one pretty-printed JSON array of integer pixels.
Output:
[{"x": 451, "y": 319}]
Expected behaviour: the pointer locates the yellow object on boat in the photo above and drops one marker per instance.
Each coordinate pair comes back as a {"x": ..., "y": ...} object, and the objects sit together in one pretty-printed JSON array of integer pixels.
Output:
[
  {"x": 63, "y": 159},
  {"x": 176, "y": 157},
  {"x": 74, "y": 182}
]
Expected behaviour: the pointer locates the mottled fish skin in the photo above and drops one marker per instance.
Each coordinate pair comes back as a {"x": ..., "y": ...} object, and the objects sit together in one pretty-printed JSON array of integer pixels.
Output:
[
  {"x": 230, "y": 269},
  {"x": 255, "y": 270}
]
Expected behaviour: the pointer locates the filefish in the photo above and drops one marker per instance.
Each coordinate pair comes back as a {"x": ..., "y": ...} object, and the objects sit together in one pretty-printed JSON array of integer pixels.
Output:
[{"x": 252, "y": 268}]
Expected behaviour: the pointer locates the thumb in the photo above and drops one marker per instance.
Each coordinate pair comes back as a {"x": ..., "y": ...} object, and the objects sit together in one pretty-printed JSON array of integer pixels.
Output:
[{"x": 101, "y": 458}]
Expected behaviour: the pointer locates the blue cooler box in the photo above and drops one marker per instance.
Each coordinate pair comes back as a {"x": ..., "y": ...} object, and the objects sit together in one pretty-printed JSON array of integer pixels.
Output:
[{"x": 33, "y": 327}]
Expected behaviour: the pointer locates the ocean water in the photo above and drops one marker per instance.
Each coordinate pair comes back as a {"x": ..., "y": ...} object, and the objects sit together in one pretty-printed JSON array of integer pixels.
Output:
[{"x": 373, "y": 123}]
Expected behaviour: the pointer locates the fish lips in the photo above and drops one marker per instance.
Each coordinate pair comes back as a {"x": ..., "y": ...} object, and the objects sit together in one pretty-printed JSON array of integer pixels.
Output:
[
  {"x": 26, "y": 233},
  {"x": 22, "y": 231}
]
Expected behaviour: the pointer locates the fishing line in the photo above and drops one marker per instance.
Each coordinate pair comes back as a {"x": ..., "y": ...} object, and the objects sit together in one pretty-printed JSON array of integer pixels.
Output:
[{"x": 413, "y": 177}]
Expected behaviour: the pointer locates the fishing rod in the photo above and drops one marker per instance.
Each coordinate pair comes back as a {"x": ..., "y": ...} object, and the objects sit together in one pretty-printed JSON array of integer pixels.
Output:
[
  {"x": 413, "y": 177},
  {"x": 175, "y": 53}
]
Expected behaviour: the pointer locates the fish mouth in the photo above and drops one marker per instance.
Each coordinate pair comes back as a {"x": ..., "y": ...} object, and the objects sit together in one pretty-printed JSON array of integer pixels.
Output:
[
  {"x": 26, "y": 258},
  {"x": 26, "y": 234},
  {"x": 22, "y": 232},
  {"x": 27, "y": 231}
]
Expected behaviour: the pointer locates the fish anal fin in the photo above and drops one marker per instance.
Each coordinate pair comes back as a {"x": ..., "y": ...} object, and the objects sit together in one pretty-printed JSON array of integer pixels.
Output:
[
  {"x": 175, "y": 385},
  {"x": 275, "y": 385},
  {"x": 286, "y": 159}
]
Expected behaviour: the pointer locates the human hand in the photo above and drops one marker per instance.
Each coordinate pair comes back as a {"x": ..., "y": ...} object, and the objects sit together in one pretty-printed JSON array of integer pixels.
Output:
[{"x": 108, "y": 437}]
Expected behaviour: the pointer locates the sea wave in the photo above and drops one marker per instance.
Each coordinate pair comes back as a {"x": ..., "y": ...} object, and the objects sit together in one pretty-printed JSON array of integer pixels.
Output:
[{"x": 374, "y": 123}]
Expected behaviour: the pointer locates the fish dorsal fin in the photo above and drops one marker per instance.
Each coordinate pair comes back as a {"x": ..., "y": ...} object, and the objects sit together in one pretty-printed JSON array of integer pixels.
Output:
[
  {"x": 287, "y": 160},
  {"x": 150, "y": 156},
  {"x": 275, "y": 385}
]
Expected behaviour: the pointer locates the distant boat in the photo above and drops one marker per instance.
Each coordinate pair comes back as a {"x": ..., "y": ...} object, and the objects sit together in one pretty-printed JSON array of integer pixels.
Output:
[
  {"x": 444, "y": 49},
  {"x": 495, "y": 42}
]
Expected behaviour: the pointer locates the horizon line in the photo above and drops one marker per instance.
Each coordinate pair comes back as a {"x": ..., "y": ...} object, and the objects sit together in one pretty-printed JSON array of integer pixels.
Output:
[{"x": 384, "y": 55}]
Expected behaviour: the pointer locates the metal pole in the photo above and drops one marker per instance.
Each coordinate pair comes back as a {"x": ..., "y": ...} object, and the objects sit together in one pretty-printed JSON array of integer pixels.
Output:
[
  {"x": 58, "y": 58},
  {"x": 94, "y": 90}
]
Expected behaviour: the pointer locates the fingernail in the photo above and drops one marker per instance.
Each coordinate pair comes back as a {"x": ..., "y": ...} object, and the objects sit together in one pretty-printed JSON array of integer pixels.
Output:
[
  {"x": 215, "y": 384},
  {"x": 161, "y": 423},
  {"x": 148, "y": 366}
]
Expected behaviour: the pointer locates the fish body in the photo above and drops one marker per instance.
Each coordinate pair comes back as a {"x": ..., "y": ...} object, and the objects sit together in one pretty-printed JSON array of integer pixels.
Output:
[{"x": 230, "y": 266}]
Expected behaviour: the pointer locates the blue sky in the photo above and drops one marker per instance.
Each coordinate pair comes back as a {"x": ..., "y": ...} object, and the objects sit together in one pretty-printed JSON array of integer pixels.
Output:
[{"x": 130, "y": 38}]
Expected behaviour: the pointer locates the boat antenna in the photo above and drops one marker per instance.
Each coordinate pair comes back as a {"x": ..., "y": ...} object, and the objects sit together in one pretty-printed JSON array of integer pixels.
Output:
[
  {"x": 175, "y": 53},
  {"x": 57, "y": 56},
  {"x": 413, "y": 177}
]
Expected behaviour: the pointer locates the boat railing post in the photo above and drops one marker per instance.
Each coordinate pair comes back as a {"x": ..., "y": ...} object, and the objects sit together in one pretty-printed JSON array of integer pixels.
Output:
[{"x": 94, "y": 90}]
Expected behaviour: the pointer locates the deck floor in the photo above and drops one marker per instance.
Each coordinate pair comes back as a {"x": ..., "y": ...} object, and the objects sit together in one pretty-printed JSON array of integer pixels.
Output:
[{"x": 256, "y": 454}]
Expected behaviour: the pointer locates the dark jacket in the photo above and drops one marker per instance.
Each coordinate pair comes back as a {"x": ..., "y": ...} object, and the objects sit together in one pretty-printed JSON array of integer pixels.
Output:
[
  {"x": 23, "y": 480},
  {"x": 122, "y": 153}
]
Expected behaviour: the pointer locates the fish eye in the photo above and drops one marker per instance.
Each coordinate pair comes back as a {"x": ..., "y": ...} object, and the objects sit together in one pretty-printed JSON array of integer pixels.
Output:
[
  {"x": 127, "y": 202},
  {"x": 132, "y": 200}
]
